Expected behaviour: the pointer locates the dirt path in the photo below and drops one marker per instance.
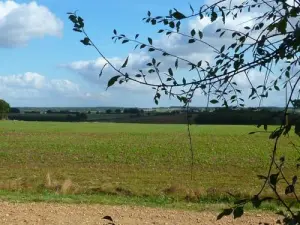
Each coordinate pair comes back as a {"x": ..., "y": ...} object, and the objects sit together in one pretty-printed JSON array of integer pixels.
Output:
[{"x": 46, "y": 213}]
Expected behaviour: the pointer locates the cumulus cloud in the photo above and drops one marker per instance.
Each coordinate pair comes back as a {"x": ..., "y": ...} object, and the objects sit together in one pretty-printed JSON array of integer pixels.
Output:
[
  {"x": 178, "y": 45},
  {"x": 36, "y": 89},
  {"x": 20, "y": 23}
]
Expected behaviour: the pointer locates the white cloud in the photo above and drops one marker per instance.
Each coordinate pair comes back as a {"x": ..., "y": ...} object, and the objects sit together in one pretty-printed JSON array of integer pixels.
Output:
[
  {"x": 19, "y": 23},
  {"x": 178, "y": 45},
  {"x": 37, "y": 89}
]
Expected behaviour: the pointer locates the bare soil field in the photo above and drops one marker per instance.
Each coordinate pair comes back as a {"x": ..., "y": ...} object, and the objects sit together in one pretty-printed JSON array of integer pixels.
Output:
[{"x": 52, "y": 213}]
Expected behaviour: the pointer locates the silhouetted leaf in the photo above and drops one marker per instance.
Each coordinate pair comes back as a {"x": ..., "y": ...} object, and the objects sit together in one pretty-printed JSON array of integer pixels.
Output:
[
  {"x": 125, "y": 63},
  {"x": 256, "y": 202},
  {"x": 73, "y": 18},
  {"x": 289, "y": 189},
  {"x": 178, "y": 15},
  {"x": 262, "y": 177},
  {"x": 222, "y": 48},
  {"x": 294, "y": 180},
  {"x": 200, "y": 34},
  {"x": 176, "y": 63},
  {"x": 274, "y": 179},
  {"x": 136, "y": 36},
  {"x": 108, "y": 218},
  {"x": 214, "y": 101},
  {"x": 100, "y": 74},
  {"x": 86, "y": 41},
  {"x": 171, "y": 24},
  {"x": 193, "y": 32},
  {"x": 238, "y": 212},
  {"x": 213, "y": 16},
  {"x": 150, "y": 41},
  {"x": 77, "y": 29},
  {"x": 191, "y": 41},
  {"x": 297, "y": 129},
  {"x": 170, "y": 71},
  {"x": 112, "y": 81},
  {"x": 191, "y": 8},
  {"x": 226, "y": 212}
]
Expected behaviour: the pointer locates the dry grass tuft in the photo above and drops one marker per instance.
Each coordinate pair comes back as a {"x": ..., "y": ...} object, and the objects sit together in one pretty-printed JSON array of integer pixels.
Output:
[{"x": 67, "y": 187}]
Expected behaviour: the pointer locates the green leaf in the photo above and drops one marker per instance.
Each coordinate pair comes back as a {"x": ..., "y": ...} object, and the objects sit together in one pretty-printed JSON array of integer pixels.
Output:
[
  {"x": 125, "y": 63},
  {"x": 238, "y": 212},
  {"x": 178, "y": 15},
  {"x": 276, "y": 88},
  {"x": 112, "y": 81},
  {"x": 214, "y": 101},
  {"x": 150, "y": 41}
]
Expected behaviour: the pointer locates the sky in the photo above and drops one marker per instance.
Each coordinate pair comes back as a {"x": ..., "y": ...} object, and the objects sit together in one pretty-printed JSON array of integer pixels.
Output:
[{"x": 45, "y": 65}]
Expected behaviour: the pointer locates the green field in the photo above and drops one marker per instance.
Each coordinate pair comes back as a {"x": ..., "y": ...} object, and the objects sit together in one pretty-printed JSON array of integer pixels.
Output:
[{"x": 134, "y": 160}]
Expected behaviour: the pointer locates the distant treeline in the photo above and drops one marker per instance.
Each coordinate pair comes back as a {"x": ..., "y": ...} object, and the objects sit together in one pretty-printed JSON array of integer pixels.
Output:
[
  {"x": 78, "y": 117},
  {"x": 244, "y": 117},
  {"x": 224, "y": 116}
]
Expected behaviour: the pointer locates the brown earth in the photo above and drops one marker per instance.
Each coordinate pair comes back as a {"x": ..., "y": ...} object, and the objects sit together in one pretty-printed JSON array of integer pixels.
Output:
[{"x": 51, "y": 213}]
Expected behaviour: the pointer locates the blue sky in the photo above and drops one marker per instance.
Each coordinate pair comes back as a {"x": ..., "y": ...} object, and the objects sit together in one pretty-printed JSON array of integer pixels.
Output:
[{"x": 44, "y": 64}]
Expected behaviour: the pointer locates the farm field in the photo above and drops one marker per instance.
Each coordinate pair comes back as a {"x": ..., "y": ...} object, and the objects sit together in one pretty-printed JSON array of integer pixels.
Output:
[{"x": 134, "y": 161}]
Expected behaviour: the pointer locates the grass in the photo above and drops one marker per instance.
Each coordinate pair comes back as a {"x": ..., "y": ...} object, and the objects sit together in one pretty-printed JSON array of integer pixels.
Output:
[{"x": 133, "y": 163}]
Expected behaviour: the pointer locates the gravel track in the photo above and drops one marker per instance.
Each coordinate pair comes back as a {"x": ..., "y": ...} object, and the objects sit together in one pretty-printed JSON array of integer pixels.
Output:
[{"x": 52, "y": 213}]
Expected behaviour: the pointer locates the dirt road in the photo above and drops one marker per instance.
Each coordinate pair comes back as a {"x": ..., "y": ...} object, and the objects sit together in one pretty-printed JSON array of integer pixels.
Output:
[{"x": 50, "y": 213}]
